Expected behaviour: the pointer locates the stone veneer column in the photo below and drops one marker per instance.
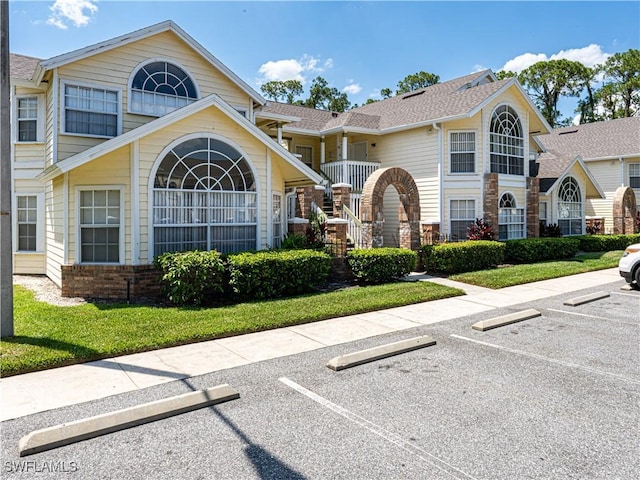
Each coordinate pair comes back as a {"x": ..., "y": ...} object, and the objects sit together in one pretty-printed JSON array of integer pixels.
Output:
[
  {"x": 490, "y": 200},
  {"x": 533, "y": 207},
  {"x": 306, "y": 196},
  {"x": 298, "y": 225},
  {"x": 341, "y": 197}
]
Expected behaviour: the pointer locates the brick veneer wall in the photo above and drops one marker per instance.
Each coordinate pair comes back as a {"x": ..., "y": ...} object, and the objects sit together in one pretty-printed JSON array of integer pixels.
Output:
[
  {"x": 110, "y": 282},
  {"x": 533, "y": 207},
  {"x": 490, "y": 201}
]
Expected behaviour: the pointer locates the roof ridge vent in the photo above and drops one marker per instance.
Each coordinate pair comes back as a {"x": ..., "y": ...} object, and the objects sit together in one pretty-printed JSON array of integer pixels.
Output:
[
  {"x": 568, "y": 132},
  {"x": 412, "y": 94}
]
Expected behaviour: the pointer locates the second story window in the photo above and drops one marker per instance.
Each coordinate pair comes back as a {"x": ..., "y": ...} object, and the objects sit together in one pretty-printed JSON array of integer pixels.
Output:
[
  {"x": 90, "y": 111},
  {"x": 506, "y": 142},
  {"x": 462, "y": 147},
  {"x": 158, "y": 88},
  {"x": 27, "y": 119}
]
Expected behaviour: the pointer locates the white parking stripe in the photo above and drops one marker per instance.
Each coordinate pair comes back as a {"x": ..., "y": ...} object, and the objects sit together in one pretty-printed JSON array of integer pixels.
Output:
[
  {"x": 591, "y": 316},
  {"x": 381, "y": 432},
  {"x": 547, "y": 359}
]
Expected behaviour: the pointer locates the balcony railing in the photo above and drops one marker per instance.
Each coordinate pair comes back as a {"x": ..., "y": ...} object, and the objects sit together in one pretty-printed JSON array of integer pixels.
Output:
[{"x": 352, "y": 172}]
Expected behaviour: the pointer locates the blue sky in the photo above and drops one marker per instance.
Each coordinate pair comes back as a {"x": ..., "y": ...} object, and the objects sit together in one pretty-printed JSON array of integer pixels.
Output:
[{"x": 358, "y": 47}]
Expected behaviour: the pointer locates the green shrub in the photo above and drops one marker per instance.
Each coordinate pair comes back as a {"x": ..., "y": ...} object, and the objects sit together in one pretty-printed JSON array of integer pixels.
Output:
[
  {"x": 531, "y": 250},
  {"x": 273, "y": 274},
  {"x": 381, "y": 265},
  {"x": 461, "y": 257},
  {"x": 607, "y": 243},
  {"x": 192, "y": 278},
  {"x": 293, "y": 241}
]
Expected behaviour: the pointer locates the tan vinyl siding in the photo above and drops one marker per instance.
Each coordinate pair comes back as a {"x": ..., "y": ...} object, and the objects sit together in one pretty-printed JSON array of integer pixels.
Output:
[
  {"x": 459, "y": 194},
  {"x": 416, "y": 151},
  {"x": 474, "y": 125},
  {"x": 54, "y": 218},
  {"x": 112, "y": 170},
  {"x": 29, "y": 263},
  {"x": 112, "y": 69}
]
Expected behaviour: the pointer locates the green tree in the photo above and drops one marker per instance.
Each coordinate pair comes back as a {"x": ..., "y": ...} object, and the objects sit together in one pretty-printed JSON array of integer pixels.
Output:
[
  {"x": 285, "y": 91},
  {"x": 322, "y": 96},
  {"x": 386, "y": 93},
  {"x": 502, "y": 74},
  {"x": 416, "y": 81},
  {"x": 547, "y": 81},
  {"x": 622, "y": 70}
]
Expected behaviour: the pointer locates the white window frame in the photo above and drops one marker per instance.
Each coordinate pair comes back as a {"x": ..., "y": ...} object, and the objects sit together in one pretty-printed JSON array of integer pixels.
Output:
[
  {"x": 64, "y": 83},
  {"x": 39, "y": 222},
  {"x": 79, "y": 226},
  {"x": 154, "y": 60},
  {"x": 474, "y": 152},
  {"x": 277, "y": 219},
  {"x": 570, "y": 219},
  {"x": 39, "y": 119},
  {"x": 634, "y": 166},
  {"x": 544, "y": 218},
  {"x": 506, "y": 146},
  {"x": 470, "y": 220},
  {"x": 514, "y": 211}
]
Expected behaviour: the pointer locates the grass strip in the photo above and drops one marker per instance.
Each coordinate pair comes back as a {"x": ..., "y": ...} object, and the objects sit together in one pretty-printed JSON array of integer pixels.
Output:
[
  {"x": 534, "y": 272},
  {"x": 48, "y": 336}
]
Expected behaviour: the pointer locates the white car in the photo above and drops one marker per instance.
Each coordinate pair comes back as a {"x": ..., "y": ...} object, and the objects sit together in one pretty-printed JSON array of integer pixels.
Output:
[{"x": 629, "y": 264}]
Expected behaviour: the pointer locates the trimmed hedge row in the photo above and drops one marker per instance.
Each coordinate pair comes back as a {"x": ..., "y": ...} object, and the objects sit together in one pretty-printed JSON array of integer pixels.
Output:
[
  {"x": 462, "y": 256},
  {"x": 381, "y": 265},
  {"x": 272, "y": 274},
  {"x": 607, "y": 243},
  {"x": 531, "y": 250},
  {"x": 205, "y": 278}
]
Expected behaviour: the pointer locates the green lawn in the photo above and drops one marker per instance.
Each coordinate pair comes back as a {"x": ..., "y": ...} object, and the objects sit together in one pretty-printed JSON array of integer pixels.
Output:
[
  {"x": 520, "y": 274},
  {"x": 47, "y": 336}
]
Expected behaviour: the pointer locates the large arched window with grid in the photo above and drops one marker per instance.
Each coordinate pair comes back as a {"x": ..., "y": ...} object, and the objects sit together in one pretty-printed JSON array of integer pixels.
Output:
[
  {"x": 510, "y": 218},
  {"x": 506, "y": 141},
  {"x": 570, "y": 217},
  {"x": 159, "y": 87},
  {"x": 204, "y": 198}
]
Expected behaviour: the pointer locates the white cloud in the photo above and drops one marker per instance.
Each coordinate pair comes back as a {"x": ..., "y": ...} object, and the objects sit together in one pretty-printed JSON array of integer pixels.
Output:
[
  {"x": 523, "y": 61},
  {"x": 352, "y": 89},
  {"x": 77, "y": 12},
  {"x": 292, "y": 69},
  {"x": 589, "y": 56}
]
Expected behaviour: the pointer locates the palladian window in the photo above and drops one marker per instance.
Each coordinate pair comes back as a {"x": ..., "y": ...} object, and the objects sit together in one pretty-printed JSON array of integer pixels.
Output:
[
  {"x": 506, "y": 142},
  {"x": 161, "y": 87},
  {"x": 204, "y": 198}
]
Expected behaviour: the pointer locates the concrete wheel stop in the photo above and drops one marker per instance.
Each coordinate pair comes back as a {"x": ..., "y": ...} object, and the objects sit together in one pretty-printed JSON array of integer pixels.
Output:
[
  {"x": 506, "y": 320},
  {"x": 377, "y": 353},
  {"x": 67, "y": 433},
  {"x": 592, "y": 297}
]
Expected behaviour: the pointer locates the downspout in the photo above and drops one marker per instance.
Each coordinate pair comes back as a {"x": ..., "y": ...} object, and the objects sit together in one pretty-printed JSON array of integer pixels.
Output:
[
  {"x": 622, "y": 176},
  {"x": 440, "y": 178},
  {"x": 269, "y": 203}
]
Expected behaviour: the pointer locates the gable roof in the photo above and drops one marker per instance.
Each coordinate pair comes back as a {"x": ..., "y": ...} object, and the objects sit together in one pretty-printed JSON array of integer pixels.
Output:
[
  {"x": 461, "y": 97},
  {"x": 113, "y": 144},
  {"x": 75, "y": 55},
  {"x": 610, "y": 139},
  {"x": 550, "y": 169}
]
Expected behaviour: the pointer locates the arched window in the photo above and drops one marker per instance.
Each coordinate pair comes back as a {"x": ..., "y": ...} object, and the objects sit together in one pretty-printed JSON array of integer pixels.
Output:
[
  {"x": 158, "y": 88},
  {"x": 570, "y": 216},
  {"x": 506, "y": 142},
  {"x": 204, "y": 198},
  {"x": 510, "y": 218}
]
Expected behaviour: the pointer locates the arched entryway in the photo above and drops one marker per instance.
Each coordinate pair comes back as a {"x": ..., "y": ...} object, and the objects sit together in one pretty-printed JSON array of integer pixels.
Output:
[
  {"x": 372, "y": 207},
  {"x": 624, "y": 210}
]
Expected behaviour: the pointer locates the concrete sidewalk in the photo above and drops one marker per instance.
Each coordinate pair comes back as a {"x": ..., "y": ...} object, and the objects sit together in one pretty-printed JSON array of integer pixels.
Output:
[{"x": 30, "y": 393}]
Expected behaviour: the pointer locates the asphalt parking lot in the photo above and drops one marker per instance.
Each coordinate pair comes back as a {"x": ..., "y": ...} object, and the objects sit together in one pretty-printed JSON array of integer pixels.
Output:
[{"x": 553, "y": 397}]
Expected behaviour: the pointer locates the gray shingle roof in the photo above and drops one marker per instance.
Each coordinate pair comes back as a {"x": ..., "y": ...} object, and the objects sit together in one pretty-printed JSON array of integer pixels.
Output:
[
  {"x": 21, "y": 66},
  {"x": 550, "y": 167},
  {"x": 448, "y": 99},
  {"x": 612, "y": 138}
]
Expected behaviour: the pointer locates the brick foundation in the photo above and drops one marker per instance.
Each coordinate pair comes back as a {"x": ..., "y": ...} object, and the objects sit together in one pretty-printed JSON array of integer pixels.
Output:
[{"x": 110, "y": 282}]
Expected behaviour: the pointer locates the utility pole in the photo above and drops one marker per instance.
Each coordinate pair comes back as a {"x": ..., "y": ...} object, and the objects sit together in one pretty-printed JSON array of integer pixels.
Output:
[{"x": 6, "y": 261}]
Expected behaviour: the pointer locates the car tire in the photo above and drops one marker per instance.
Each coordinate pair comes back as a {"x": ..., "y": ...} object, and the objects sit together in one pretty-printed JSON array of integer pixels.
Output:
[{"x": 637, "y": 276}]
